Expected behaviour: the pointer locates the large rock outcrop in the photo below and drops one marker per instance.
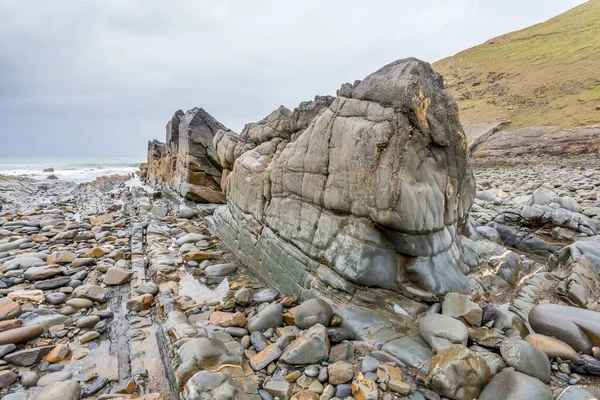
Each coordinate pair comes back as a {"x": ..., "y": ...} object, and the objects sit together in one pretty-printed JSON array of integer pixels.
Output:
[
  {"x": 370, "y": 188},
  {"x": 187, "y": 162}
]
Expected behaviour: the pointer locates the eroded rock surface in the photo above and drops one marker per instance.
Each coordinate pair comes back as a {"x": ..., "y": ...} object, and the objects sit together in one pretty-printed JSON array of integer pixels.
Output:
[
  {"x": 187, "y": 162},
  {"x": 375, "y": 188}
]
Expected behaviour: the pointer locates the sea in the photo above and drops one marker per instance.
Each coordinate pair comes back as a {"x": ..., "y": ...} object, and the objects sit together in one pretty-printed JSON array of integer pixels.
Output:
[{"x": 69, "y": 169}]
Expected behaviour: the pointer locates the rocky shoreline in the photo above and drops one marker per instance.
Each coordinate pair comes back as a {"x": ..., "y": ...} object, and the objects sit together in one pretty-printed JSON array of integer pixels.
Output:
[{"x": 358, "y": 256}]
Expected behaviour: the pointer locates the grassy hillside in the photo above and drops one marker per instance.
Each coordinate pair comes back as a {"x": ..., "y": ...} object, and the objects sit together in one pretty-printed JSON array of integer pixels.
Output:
[{"x": 547, "y": 74}]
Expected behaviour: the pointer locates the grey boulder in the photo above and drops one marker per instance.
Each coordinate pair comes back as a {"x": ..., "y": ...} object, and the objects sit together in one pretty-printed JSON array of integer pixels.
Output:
[
  {"x": 441, "y": 331},
  {"x": 513, "y": 385},
  {"x": 312, "y": 312},
  {"x": 526, "y": 358}
]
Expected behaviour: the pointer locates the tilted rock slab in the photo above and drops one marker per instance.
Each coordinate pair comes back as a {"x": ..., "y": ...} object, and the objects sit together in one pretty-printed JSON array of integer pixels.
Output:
[
  {"x": 374, "y": 190},
  {"x": 187, "y": 162}
]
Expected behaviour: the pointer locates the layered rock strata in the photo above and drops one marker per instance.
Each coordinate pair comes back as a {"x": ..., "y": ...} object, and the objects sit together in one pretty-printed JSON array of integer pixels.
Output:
[
  {"x": 187, "y": 162},
  {"x": 371, "y": 191}
]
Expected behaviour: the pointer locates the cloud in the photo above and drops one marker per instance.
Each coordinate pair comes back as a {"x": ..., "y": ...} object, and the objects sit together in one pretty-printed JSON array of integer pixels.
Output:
[{"x": 100, "y": 78}]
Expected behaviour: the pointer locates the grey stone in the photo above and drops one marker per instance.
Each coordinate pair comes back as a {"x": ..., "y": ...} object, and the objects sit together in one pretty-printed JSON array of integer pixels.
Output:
[
  {"x": 50, "y": 379},
  {"x": 67, "y": 390},
  {"x": 270, "y": 317},
  {"x": 266, "y": 295},
  {"x": 148, "y": 288},
  {"x": 312, "y": 312},
  {"x": 88, "y": 321},
  {"x": 575, "y": 326},
  {"x": 526, "y": 358},
  {"x": 442, "y": 331},
  {"x": 26, "y": 358},
  {"x": 218, "y": 270},
  {"x": 513, "y": 385},
  {"x": 310, "y": 348}
]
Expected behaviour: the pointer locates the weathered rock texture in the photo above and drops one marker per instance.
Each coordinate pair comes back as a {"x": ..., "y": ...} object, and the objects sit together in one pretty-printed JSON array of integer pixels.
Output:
[
  {"x": 536, "y": 144},
  {"x": 369, "y": 188},
  {"x": 187, "y": 162}
]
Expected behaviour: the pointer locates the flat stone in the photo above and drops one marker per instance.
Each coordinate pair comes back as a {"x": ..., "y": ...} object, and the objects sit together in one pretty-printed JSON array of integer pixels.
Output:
[
  {"x": 26, "y": 358},
  {"x": 46, "y": 321},
  {"x": 55, "y": 377},
  {"x": 102, "y": 219},
  {"x": 219, "y": 270},
  {"x": 83, "y": 262},
  {"x": 526, "y": 358},
  {"x": 117, "y": 276},
  {"x": 80, "y": 303},
  {"x": 88, "y": 321},
  {"x": 7, "y": 378},
  {"x": 67, "y": 390},
  {"x": 458, "y": 373},
  {"x": 513, "y": 385},
  {"x": 227, "y": 319},
  {"x": 190, "y": 238},
  {"x": 61, "y": 257},
  {"x": 50, "y": 284},
  {"x": 91, "y": 292},
  {"x": 88, "y": 337},
  {"x": 10, "y": 324},
  {"x": 265, "y": 357},
  {"x": 9, "y": 309},
  {"x": 461, "y": 307},
  {"x": 20, "y": 335},
  {"x": 7, "y": 348},
  {"x": 266, "y": 295},
  {"x": 148, "y": 288},
  {"x": 270, "y": 317},
  {"x": 25, "y": 296},
  {"x": 552, "y": 347},
  {"x": 59, "y": 353},
  {"x": 39, "y": 273}
]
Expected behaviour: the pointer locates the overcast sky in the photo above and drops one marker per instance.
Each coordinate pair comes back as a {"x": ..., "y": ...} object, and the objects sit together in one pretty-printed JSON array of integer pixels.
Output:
[{"x": 100, "y": 78}]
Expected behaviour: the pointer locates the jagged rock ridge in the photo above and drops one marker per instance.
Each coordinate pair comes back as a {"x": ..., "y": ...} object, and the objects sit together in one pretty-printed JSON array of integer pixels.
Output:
[{"x": 187, "y": 162}]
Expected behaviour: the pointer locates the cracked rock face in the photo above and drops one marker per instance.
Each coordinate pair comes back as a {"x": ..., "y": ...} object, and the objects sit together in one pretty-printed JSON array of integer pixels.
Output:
[
  {"x": 187, "y": 162},
  {"x": 376, "y": 187}
]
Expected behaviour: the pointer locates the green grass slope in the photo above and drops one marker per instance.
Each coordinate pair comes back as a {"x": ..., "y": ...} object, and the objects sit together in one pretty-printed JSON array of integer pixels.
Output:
[{"x": 547, "y": 74}]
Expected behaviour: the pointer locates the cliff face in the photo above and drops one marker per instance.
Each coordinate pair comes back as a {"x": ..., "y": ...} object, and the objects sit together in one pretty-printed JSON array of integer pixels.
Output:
[
  {"x": 370, "y": 188},
  {"x": 187, "y": 162}
]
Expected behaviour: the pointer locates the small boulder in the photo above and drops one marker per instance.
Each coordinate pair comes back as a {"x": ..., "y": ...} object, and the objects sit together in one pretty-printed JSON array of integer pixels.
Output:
[
  {"x": 270, "y": 317},
  {"x": 312, "y": 312},
  {"x": 310, "y": 348},
  {"x": 461, "y": 307},
  {"x": 513, "y": 385},
  {"x": 442, "y": 332},
  {"x": 458, "y": 373},
  {"x": 526, "y": 358}
]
